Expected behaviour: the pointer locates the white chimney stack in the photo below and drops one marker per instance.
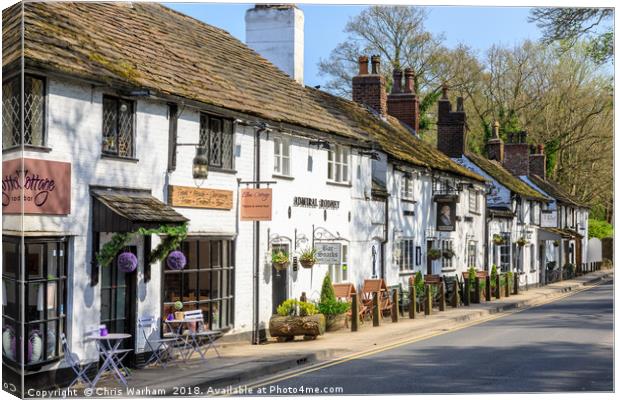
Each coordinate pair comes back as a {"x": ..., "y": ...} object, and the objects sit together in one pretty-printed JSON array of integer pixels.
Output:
[{"x": 276, "y": 32}]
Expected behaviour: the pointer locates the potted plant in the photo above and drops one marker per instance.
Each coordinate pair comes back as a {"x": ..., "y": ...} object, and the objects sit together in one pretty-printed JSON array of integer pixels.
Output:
[
  {"x": 448, "y": 253},
  {"x": 307, "y": 259},
  {"x": 294, "y": 318},
  {"x": 498, "y": 239},
  {"x": 333, "y": 309},
  {"x": 280, "y": 260},
  {"x": 434, "y": 254},
  {"x": 178, "y": 306},
  {"x": 522, "y": 241}
]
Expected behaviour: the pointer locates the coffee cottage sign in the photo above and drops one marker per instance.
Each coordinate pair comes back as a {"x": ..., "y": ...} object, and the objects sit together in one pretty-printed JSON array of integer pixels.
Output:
[
  {"x": 44, "y": 185},
  {"x": 328, "y": 252},
  {"x": 185, "y": 196},
  {"x": 255, "y": 204},
  {"x": 312, "y": 202}
]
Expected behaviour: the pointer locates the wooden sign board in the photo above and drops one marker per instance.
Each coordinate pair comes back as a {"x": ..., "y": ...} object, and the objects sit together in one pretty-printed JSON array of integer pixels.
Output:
[
  {"x": 255, "y": 204},
  {"x": 191, "y": 197},
  {"x": 328, "y": 252},
  {"x": 44, "y": 186}
]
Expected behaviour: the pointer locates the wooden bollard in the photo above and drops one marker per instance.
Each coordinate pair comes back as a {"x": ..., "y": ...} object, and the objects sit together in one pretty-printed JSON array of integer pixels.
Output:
[
  {"x": 394, "y": 311},
  {"x": 477, "y": 290},
  {"x": 498, "y": 288},
  {"x": 516, "y": 284},
  {"x": 467, "y": 297},
  {"x": 487, "y": 284},
  {"x": 354, "y": 312},
  {"x": 456, "y": 300},
  {"x": 442, "y": 297},
  {"x": 428, "y": 300},
  {"x": 507, "y": 286},
  {"x": 412, "y": 301},
  {"x": 375, "y": 309}
]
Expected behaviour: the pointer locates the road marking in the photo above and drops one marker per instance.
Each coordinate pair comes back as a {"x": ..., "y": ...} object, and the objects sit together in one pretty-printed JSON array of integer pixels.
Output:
[{"x": 366, "y": 353}]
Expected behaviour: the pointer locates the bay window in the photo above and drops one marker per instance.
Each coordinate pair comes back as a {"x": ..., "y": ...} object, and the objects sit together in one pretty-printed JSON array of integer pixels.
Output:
[{"x": 338, "y": 164}]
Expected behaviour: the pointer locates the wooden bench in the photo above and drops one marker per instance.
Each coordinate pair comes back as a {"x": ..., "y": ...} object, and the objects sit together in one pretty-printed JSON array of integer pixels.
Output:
[
  {"x": 344, "y": 292},
  {"x": 373, "y": 286}
]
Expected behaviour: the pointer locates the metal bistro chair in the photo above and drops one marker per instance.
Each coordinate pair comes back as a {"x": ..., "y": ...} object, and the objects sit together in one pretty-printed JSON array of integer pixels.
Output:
[
  {"x": 160, "y": 348},
  {"x": 72, "y": 360},
  {"x": 196, "y": 334}
]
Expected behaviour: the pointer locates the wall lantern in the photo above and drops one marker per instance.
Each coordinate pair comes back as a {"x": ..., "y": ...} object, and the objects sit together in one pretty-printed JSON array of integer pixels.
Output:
[{"x": 200, "y": 164}]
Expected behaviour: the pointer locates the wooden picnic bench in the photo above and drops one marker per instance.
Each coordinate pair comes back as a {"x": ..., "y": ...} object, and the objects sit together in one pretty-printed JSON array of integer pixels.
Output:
[
  {"x": 376, "y": 286},
  {"x": 344, "y": 291}
]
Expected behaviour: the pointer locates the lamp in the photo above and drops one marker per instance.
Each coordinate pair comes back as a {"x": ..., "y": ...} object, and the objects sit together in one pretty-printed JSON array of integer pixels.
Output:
[{"x": 200, "y": 164}]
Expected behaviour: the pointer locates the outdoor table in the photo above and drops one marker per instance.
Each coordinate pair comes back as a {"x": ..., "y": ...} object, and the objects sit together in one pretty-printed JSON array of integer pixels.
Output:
[
  {"x": 108, "y": 346},
  {"x": 189, "y": 340}
]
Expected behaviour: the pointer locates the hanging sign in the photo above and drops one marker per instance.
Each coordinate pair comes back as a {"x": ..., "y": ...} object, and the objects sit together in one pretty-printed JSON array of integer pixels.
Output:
[
  {"x": 446, "y": 213},
  {"x": 255, "y": 204},
  {"x": 44, "y": 186},
  {"x": 328, "y": 252},
  {"x": 192, "y": 197}
]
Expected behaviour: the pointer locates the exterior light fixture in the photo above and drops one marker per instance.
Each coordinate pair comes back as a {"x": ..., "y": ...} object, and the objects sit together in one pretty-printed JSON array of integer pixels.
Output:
[
  {"x": 200, "y": 164},
  {"x": 324, "y": 144}
]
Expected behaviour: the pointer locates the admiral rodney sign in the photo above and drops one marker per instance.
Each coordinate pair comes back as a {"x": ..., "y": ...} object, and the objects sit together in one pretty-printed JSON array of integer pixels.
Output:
[
  {"x": 44, "y": 185},
  {"x": 312, "y": 202}
]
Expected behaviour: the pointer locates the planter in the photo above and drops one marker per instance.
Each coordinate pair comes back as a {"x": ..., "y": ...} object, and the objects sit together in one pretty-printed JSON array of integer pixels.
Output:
[
  {"x": 280, "y": 266},
  {"x": 335, "y": 322},
  {"x": 179, "y": 315},
  {"x": 306, "y": 263},
  {"x": 286, "y": 328}
]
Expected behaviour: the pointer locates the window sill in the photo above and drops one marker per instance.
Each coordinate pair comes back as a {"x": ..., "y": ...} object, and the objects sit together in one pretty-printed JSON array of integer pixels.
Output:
[
  {"x": 475, "y": 212},
  {"x": 406, "y": 273},
  {"x": 448, "y": 270},
  {"x": 27, "y": 147},
  {"x": 342, "y": 184},
  {"x": 118, "y": 158},
  {"x": 410, "y": 201},
  {"x": 223, "y": 170},
  {"x": 285, "y": 177}
]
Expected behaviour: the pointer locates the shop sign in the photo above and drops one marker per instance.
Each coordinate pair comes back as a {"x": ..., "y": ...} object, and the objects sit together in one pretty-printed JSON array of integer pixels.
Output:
[
  {"x": 255, "y": 204},
  {"x": 446, "y": 213},
  {"x": 549, "y": 219},
  {"x": 328, "y": 252},
  {"x": 192, "y": 197},
  {"x": 44, "y": 185},
  {"x": 313, "y": 202}
]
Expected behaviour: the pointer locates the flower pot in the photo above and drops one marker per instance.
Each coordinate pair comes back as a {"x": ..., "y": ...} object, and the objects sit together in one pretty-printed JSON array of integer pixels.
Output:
[
  {"x": 335, "y": 322},
  {"x": 288, "y": 327},
  {"x": 280, "y": 266},
  {"x": 306, "y": 263},
  {"x": 179, "y": 315}
]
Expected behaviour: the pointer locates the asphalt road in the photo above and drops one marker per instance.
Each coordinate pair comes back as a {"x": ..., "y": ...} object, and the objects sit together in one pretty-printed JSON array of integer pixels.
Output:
[{"x": 563, "y": 346}]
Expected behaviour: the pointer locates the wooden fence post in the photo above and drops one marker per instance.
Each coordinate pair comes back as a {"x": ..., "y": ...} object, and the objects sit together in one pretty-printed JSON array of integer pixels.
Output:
[
  {"x": 375, "y": 309},
  {"x": 412, "y": 301},
  {"x": 428, "y": 300},
  {"x": 456, "y": 299},
  {"x": 507, "y": 286},
  {"x": 487, "y": 284},
  {"x": 476, "y": 290},
  {"x": 498, "y": 288},
  {"x": 467, "y": 293},
  {"x": 442, "y": 297},
  {"x": 395, "y": 307},
  {"x": 354, "y": 312},
  {"x": 516, "y": 284}
]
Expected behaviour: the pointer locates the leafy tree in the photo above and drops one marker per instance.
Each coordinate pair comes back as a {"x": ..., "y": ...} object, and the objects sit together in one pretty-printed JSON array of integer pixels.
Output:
[
  {"x": 599, "y": 229},
  {"x": 327, "y": 290}
]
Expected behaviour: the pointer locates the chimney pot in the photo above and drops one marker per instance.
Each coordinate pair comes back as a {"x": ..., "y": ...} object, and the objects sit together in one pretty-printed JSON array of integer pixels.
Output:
[
  {"x": 363, "y": 62},
  {"x": 495, "y": 130},
  {"x": 376, "y": 64},
  {"x": 444, "y": 91},
  {"x": 459, "y": 104},
  {"x": 409, "y": 76},
  {"x": 541, "y": 148},
  {"x": 397, "y": 76}
]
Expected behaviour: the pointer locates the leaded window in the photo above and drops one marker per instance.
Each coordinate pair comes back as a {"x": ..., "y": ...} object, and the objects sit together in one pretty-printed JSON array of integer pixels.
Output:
[
  {"x": 217, "y": 135},
  {"x": 118, "y": 127},
  {"x": 34, "y": 112}
]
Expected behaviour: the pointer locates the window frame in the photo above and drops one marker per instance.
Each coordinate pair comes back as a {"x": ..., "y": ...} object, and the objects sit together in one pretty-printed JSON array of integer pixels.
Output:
[
  {"x": 339, "y": 273},
  {"x": 472, "y": 253},
  {"x": 23, "y": 318},
  {"x": 447, "y": 263},
  {"x": 134, "y": 113},
  {"x": 45, "y": 104},
  {"x": 336, "y": 164},
  {"x": 279, "y": 159},
  {"x": 504, "y": 255},
  {"x": 407, "y": 259},
  {"x": 473, "y": 194},
  {"x": 205, "y": 138},
  {"x": 406, "y": 188}
]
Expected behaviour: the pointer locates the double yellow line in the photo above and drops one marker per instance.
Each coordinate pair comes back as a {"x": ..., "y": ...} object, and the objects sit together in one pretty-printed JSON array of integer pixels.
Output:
[{"x": 366, "y": 353}]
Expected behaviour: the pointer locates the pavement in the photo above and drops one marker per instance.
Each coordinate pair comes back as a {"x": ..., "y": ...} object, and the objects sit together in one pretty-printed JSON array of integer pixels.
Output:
[{"x": 243, "y": 363}]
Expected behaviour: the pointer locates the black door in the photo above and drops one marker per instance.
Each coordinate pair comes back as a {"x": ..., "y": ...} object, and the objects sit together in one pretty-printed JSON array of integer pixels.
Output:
[
  {"x": 279, "y": 282},
  {"x": 118, "y": 303}
]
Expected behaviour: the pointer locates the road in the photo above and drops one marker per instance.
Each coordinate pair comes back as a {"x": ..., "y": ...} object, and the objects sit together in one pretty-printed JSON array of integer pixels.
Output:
[{"x": 562, "y": 346}]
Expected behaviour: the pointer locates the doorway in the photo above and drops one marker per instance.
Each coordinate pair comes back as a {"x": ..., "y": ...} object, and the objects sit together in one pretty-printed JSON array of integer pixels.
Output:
[
  {"x": 429, "y": 262},
  {"x": 118, "y": 303},
  {"x": 279, "y": 281}
]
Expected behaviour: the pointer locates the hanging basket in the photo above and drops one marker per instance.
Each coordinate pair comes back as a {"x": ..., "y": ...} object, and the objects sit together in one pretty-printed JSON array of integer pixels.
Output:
[
  {"x": 498, "y": 240},
  {"x": 281, "y": 266},
  {"x": 176, "y": 260},
  {"x": 306, "y": 263},
  {"x": 434, "y": 254},
  {"x": 127, "y": 262}
]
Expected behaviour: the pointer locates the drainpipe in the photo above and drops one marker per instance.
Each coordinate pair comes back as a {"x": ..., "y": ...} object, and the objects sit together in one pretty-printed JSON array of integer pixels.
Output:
[
  {"x": 256, "y": 339},
  {"x": 385, "y": 238}
]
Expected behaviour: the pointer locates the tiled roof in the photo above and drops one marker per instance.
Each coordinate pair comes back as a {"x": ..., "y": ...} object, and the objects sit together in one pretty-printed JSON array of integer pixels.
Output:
[
  {"x": 138, "y": 207},
  {"x": 554, "y": 190},
  {"x": 149, "y": 46},
  {"x": 504, "y": 177}
]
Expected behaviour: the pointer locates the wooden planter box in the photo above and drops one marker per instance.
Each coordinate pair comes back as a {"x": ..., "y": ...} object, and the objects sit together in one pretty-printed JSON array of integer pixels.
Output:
[
  {"x": 335, "y": 322},
  {"x": 286, "y": 328}
]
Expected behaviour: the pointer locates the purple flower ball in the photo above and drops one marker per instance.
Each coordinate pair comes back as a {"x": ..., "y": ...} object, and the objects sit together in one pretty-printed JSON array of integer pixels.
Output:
[
  {"x": 176, "y": 260},
  {"x": 127, "y": 262}
]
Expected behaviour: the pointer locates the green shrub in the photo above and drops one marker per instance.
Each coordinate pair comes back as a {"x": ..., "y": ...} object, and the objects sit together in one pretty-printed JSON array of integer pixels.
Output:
[
  {"x": 418, "y": 282},
  {"x": 599, "y": 229},
  {"x": 294, "y": 307},
  {"x": 329, "y": 305},
  {"x": 493, "y": 275},
  {"x": 327, "y": 290}
]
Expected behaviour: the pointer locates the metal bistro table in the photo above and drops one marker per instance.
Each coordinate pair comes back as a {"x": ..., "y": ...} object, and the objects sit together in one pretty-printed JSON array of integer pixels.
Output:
[
  {"x": 189, "y": 340},
  {"x": 108, "y": 349}
]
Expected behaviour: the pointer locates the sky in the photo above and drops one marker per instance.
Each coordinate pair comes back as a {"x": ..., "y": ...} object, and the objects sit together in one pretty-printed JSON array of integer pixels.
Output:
[{"x": 477, "y": 27}]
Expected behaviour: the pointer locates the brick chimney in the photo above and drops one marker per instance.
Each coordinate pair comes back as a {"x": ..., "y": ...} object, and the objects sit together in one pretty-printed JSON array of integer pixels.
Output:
[
  {"x": 369, "y": 89},
  {"x": 403, "y": 102},
  {"x": 538, "y": 161},
  {"x": 517, "y": 154},
  {"x": 451, "y": 137},
  {"x": 495, "y": 145}
]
